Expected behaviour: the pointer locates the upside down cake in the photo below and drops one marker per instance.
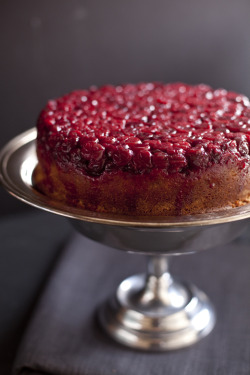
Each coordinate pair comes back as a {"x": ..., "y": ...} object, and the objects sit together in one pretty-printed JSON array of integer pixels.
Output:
[{"x": 146, "y": 149}]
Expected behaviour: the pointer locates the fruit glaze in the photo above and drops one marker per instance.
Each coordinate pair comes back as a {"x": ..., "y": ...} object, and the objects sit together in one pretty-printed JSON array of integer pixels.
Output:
[{"x": 137, "y": 128}]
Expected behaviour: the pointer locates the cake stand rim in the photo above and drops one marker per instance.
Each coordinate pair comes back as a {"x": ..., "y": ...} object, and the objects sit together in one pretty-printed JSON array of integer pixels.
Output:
[{"x": 13, "y": 181}]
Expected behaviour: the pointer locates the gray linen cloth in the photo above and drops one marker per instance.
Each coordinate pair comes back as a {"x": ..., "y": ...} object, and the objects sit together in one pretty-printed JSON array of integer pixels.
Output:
[{"x": 64, "y": 338}]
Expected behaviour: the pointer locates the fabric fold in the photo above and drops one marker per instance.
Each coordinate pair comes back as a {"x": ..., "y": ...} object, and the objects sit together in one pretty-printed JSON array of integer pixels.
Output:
[{"x": 64, "y": 337}]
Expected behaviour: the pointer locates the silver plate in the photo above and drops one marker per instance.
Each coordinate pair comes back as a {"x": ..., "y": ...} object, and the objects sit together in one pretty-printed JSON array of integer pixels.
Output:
[{"x": 18, "y": 160}]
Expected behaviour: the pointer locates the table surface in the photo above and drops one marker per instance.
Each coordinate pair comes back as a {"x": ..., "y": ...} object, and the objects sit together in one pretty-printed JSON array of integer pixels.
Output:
[{"x": 30, "y": 245}]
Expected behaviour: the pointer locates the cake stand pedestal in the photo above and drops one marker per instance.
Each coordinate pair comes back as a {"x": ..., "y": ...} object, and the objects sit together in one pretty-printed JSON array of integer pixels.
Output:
[
  {"x": 155, "y": 312},
  {"x": 150, "y": 311}
]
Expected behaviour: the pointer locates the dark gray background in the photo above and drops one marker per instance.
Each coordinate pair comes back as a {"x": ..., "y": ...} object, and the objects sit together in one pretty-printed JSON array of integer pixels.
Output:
[{"x": 51, "y": 47}]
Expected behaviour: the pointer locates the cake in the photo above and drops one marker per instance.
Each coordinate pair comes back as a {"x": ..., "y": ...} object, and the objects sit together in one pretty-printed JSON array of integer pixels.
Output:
[{"x": 145, "y": 149}]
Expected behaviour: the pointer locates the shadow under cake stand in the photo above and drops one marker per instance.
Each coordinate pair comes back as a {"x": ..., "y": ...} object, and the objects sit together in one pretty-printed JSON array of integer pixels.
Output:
[{"x": 150, "y": 311}]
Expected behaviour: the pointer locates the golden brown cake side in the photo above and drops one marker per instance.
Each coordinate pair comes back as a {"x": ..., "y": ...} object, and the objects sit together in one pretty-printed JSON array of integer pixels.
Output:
[{"x": 154, "y": 194}]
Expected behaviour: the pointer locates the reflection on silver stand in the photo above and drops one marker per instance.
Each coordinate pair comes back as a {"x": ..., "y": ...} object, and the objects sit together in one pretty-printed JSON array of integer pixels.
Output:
[
  {"x": 156, "y": 312},
  {"x": 151, "y": 311}
]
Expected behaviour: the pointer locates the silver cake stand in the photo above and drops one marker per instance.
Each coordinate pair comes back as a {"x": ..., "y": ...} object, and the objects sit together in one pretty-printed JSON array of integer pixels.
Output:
[{"x": 150, "y": 311}]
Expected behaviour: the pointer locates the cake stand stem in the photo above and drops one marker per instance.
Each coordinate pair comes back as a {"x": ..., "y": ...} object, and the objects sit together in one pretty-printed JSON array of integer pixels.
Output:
[
  {"x": 157, "y": 265},
  {"x": 158, "y": 282},
  {"x": 153, "y": 311}
]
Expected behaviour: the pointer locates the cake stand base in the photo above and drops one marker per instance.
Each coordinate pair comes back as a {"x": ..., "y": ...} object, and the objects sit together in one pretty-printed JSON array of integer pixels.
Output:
[{"x": 155, "y": 313}]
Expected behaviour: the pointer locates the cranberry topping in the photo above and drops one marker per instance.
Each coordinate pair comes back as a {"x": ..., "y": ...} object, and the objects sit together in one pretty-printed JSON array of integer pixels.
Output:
[{"x": 174, "y": 127}]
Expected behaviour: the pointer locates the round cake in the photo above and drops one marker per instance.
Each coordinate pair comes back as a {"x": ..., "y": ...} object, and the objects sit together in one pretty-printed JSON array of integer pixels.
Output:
[{"x": 146, "y": 149}]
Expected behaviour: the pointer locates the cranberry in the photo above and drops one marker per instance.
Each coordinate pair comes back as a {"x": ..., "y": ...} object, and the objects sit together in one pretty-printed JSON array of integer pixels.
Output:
[
  {"x": 50, "y": 121},
  {"x": 175, "y": 127},
  {"x": 160, "y": 160},
  {"x": 153, "y": 144},
  {"x": 120, "y": 155},
  {"x": 197, "y": 157},
  {"x": 142, "y": 159},
  {"x": 243, "y": 148},
  {"x": 92, "y": 150},
  {"x": 133, "y": 141},
  {"x": 177, "y": 162},
  {"x": 215, "y": 152},
  {"x": 96, "y": 166}
]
